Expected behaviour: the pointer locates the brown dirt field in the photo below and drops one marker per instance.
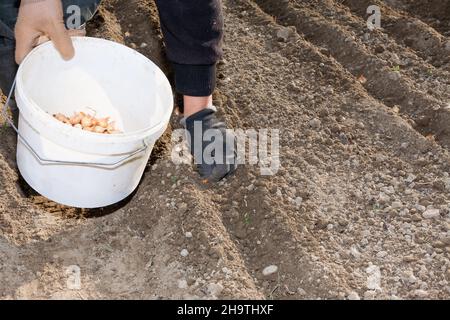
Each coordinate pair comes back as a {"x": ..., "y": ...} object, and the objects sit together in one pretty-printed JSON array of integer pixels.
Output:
[{"x": 363, "y": 162}]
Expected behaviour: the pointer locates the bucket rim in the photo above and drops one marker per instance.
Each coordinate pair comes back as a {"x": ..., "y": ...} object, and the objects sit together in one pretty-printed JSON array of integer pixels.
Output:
[{"x": 125, "y": 137}]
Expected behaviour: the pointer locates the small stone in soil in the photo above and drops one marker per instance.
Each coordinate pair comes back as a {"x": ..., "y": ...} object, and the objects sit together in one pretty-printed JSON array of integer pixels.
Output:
[
  {"x": 353, "y": 296},
  {"x": 284, "y": 34},
  {"x": 226, "y": 271},
  {"x": 420, "y": 293},
  {"x": 215, "y": 289},
  {"x": 369, "y": 295},
  {"x": 184, "y": 253},
  {"x": 298, "y": 201},
  {"x": 343, "y": 138},
  {"x": 315, "y": 123},
  {"x": 396, "y": 205},
  {"x": 374, "y": 278},
  {"x": 182, "y": 284},
  {"x": 182, "y": 208},
  {"x": 431, "y": 213},
  {"x": 270, "y": 270}
]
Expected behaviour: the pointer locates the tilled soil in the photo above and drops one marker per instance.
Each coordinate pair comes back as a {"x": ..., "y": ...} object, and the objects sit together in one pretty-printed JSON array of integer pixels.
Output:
[{"x": 359, "y": 209}]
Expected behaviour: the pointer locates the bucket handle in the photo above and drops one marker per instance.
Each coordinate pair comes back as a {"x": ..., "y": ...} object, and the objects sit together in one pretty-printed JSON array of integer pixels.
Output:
[{"x": 127, "y": 157}]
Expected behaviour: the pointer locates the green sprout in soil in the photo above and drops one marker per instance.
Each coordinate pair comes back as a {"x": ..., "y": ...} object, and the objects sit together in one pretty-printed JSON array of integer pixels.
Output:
[
  {"x": 247, "y": 220},
  {"x": 396, "y": 69}
]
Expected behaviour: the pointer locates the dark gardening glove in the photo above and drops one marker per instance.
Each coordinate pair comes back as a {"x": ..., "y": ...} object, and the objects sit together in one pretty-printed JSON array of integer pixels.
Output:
[{"x": 211, "y": 144}]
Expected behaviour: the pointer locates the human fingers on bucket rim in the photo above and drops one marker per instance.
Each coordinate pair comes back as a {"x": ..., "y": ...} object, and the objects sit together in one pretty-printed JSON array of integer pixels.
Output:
[{"x": 71, "y": 32}]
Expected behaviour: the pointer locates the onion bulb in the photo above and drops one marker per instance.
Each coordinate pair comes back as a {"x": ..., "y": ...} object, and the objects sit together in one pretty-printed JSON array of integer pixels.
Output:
[
  {"x": 75, "y": 119},
  {"x": 103, "y": 122},
  {"x": 99, "y": 129},
  {"x": 86, "y": 122}
]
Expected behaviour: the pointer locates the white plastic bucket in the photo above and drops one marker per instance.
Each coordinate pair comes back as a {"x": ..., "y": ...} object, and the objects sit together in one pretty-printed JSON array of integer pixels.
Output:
[{"x": 78, "y": 168}]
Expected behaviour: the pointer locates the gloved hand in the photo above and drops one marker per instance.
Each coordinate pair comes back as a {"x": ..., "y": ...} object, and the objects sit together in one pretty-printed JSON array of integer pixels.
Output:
[
  {"x": 41, "y": 18},
  {"x": 223, "y": 164}
]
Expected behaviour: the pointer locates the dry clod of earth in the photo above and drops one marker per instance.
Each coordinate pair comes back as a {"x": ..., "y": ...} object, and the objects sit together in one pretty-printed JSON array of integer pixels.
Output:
[{"x": 360, "y": 208}]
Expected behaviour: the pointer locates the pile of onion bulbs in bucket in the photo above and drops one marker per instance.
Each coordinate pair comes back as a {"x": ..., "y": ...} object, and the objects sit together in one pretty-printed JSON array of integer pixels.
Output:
[{"x": 89, "y": 123}]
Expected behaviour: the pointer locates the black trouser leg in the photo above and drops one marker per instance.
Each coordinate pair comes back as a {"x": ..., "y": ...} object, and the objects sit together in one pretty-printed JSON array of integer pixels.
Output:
[
  {"x": 193, "y": 32},
  {"x": 8, "y": 67}
]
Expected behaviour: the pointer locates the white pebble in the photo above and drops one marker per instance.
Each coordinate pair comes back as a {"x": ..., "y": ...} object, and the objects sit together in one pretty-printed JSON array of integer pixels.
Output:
[
  {"x": 226, "y": 271},
  {"x": 374, "y": 278},
  {"x": 353, "y": 296},
  {"x": 188, "y": 234},
  {"x": 355, "y": 253},
  {"x": 420, "y": 293},
  {"x": 431, "y": 213},
  {"x": 369, "y": 295},
  {"x": 315, "y": 123},
  {"x": 270, "y": 270},
  {"x": 298, "y": 201},
  {"x": 215, "y": 289},
  {"x": 420, "y": 208},
  {"x": 182, "y": 284},
  {"x": 396, "y": 205},
  {"x": 184, "y": 253}
]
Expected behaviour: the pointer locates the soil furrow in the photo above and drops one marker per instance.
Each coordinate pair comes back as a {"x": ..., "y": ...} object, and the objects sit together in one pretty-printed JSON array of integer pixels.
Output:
[
  {"x": 426, "y": 77},
  {"x": 388, "y": 85},
  {"x": 414, "y": 33},
  {"x": 434, "y": 12}
]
